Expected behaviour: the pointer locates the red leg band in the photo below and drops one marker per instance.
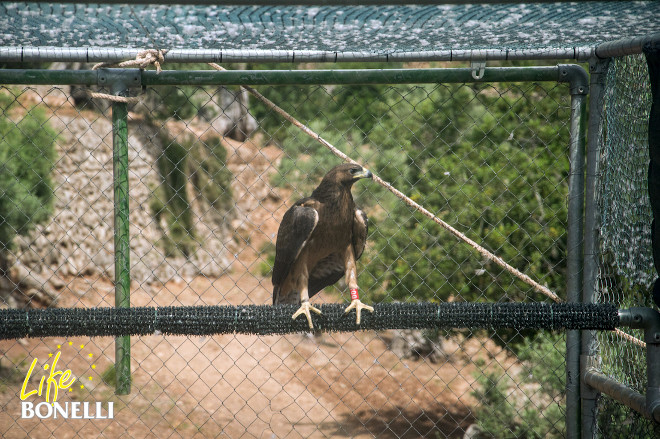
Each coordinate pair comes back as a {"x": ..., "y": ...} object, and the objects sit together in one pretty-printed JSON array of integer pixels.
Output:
[{"x": 354, "y": 294}]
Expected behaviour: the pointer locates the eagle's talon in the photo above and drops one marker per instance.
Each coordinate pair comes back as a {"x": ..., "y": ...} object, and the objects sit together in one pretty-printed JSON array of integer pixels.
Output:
[
  {"x": 358, "y": 306},
  {"x": 305, "y": 308}
]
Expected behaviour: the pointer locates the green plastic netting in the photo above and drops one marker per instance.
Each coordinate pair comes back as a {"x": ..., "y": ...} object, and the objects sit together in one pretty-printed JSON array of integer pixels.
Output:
[
  {"x": 626, "y": 270},
  {"x": 293, "y": 32}
]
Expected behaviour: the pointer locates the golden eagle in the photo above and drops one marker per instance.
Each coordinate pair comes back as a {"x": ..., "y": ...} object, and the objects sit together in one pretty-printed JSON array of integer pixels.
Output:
[{"x": 319, "y": 240}]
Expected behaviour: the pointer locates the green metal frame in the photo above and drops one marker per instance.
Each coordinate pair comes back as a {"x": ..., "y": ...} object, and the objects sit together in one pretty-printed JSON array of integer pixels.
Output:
[
  {"x": 122, "y": 244},
  {"x": 119, "y": 80},
  {"x": 147, "y": 78}
]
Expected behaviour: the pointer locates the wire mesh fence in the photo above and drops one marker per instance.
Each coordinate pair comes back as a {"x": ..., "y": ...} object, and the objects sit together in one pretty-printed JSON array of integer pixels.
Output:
[
  {"x": 626, "y": 271},
  {"x": 211, "y": 172}
]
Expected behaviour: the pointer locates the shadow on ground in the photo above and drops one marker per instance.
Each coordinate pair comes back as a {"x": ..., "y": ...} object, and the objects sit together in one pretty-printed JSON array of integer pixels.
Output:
[{"x": 400, "y": 423}]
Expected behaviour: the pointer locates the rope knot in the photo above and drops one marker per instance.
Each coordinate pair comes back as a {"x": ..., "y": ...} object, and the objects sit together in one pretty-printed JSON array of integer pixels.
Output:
[
  {"x": 150, "y": 56},
  {"x": 143, "y": 60}
]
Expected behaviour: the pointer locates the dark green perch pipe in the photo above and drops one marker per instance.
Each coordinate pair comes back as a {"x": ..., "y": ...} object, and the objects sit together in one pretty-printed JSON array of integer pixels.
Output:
[
  {"x": 269, "y": 320},
  {"x": 122, "y": 244}
]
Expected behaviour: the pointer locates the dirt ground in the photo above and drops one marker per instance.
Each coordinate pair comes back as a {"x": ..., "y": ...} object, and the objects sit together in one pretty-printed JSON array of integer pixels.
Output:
[{"x": 332, "y": 385}]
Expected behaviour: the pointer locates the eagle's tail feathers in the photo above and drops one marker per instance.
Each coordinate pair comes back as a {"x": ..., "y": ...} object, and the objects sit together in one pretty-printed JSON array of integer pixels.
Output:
[{"x": 276, "y": 294}]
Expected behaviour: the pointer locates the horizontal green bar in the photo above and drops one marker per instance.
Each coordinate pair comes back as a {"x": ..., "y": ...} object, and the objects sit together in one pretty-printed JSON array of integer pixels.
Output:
[
  {"x": 361, "y": 76},
  {"x": 284, "y": 77},
  {"x": 48, "y": 77}
]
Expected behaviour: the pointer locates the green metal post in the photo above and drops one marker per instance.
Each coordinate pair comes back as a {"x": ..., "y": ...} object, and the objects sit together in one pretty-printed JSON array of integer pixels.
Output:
[
  {"x": 589, "y": 395},
  {"x": 122, "y": 245},
  {"x": 575, "y": 231}
]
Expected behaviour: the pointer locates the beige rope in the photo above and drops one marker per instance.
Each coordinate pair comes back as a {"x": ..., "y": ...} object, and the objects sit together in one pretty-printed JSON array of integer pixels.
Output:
[
  {"x": 416, "y": 206},
  {"x": 143, "y": 60},
  {"x": 113, "y": 98}
]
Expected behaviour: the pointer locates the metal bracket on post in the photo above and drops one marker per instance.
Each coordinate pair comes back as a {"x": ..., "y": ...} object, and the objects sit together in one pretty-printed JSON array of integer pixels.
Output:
[
  {"x": 478, "y": 69},
  {"x": 648, "y": 406},
  {"x": 576, "y": 76},
  {"x": 588, "y": 362},
  {"x": 649, "y": 320},
  {"x": 119, "y": 79},
  {"x": 598, "y": 66}
]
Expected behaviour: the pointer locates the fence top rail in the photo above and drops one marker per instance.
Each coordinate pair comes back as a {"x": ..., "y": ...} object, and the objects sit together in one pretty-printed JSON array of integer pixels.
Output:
[
  {"x": 561, "y": 73},
  {"x": 20, "y": 54},
  {"x": 625, "y": 46}
]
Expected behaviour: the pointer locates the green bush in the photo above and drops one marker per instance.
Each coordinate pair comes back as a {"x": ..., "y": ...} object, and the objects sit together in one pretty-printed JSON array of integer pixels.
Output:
[
  {"x": 490, "y": 161},
  {"x": 470, "y": 155},
  {"x": 535, "y": 412},
  {"x": 27, "y": 156}
]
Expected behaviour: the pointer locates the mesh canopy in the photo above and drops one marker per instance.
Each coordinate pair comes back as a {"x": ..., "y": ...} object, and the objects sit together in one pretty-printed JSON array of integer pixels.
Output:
[
  {"x": 421, "y": 29},
  {"x": 626, "y": 211}
]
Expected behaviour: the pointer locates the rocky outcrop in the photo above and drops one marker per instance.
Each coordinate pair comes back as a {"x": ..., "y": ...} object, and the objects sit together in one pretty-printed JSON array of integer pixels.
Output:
[
  {"x": 412, "y": 343},
  {"x": 80, "y": 241}
]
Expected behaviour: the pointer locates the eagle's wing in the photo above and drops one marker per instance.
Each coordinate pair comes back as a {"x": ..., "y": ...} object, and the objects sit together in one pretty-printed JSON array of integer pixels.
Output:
[
  {"x": 297, "y": 225},
  {"x": 360, "y": 232}
]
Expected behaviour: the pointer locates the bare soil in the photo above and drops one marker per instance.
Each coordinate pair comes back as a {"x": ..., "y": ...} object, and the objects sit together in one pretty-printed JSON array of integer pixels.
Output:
[{"x": 332, "y": 385}]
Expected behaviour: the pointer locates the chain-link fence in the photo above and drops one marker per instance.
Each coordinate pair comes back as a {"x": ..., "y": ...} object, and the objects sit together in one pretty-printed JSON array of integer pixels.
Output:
[
  {"x": 211, "y": 173},
  {"x": 626, "y": 271}
]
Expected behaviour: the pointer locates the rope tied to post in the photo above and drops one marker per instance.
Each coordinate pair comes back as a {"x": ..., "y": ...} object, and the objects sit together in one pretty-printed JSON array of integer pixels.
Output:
[{"x": 143, "y": 60}]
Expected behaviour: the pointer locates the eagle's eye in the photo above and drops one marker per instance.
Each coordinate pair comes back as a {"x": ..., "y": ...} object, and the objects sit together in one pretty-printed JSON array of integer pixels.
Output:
[{"x": 354, "y": 170}]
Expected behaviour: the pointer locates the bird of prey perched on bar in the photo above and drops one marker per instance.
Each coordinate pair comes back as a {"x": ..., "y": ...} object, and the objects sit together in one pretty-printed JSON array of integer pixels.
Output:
[{"x": 319, "y": 240}]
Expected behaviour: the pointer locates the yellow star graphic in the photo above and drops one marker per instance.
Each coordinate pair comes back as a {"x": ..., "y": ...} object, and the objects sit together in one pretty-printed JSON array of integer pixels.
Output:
[
  {"x": 50, "y": 355},
  {"x": 82, "y": 387},
  {"x": 90, "y": 355},
  {"x": 93, "y": 366},
  {"x": 90, "y": 378},
  {"x": 70, "y": 343},
  {"x": 82, "y": 346}
]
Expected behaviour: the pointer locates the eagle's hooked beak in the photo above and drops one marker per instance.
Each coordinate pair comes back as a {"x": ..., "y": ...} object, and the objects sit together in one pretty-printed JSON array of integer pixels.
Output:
[{"x": 364, "y": 173}]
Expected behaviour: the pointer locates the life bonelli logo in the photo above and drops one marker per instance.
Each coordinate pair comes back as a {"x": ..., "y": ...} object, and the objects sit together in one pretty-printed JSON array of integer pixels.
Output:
[{"x": 41, "y": 400}]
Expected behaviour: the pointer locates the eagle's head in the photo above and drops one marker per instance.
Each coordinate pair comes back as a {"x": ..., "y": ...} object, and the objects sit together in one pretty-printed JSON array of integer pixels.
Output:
[{"x": 347, "y": 174}]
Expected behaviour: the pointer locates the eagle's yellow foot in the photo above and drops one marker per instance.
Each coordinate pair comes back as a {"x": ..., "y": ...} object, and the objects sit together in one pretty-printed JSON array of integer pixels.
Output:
[
  {"x": 305, "y": 308},
  {"x": 358, "y": 306}
]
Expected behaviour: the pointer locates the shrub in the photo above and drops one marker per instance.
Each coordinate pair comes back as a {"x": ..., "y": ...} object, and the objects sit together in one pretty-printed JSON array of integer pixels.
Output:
[{"x": 27, "y": 156}]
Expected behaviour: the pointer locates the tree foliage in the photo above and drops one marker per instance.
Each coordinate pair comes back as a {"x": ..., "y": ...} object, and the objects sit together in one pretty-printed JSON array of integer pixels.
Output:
[
  {"x": 27, "y": 156},
  {"x": 490, "y": 160}
]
